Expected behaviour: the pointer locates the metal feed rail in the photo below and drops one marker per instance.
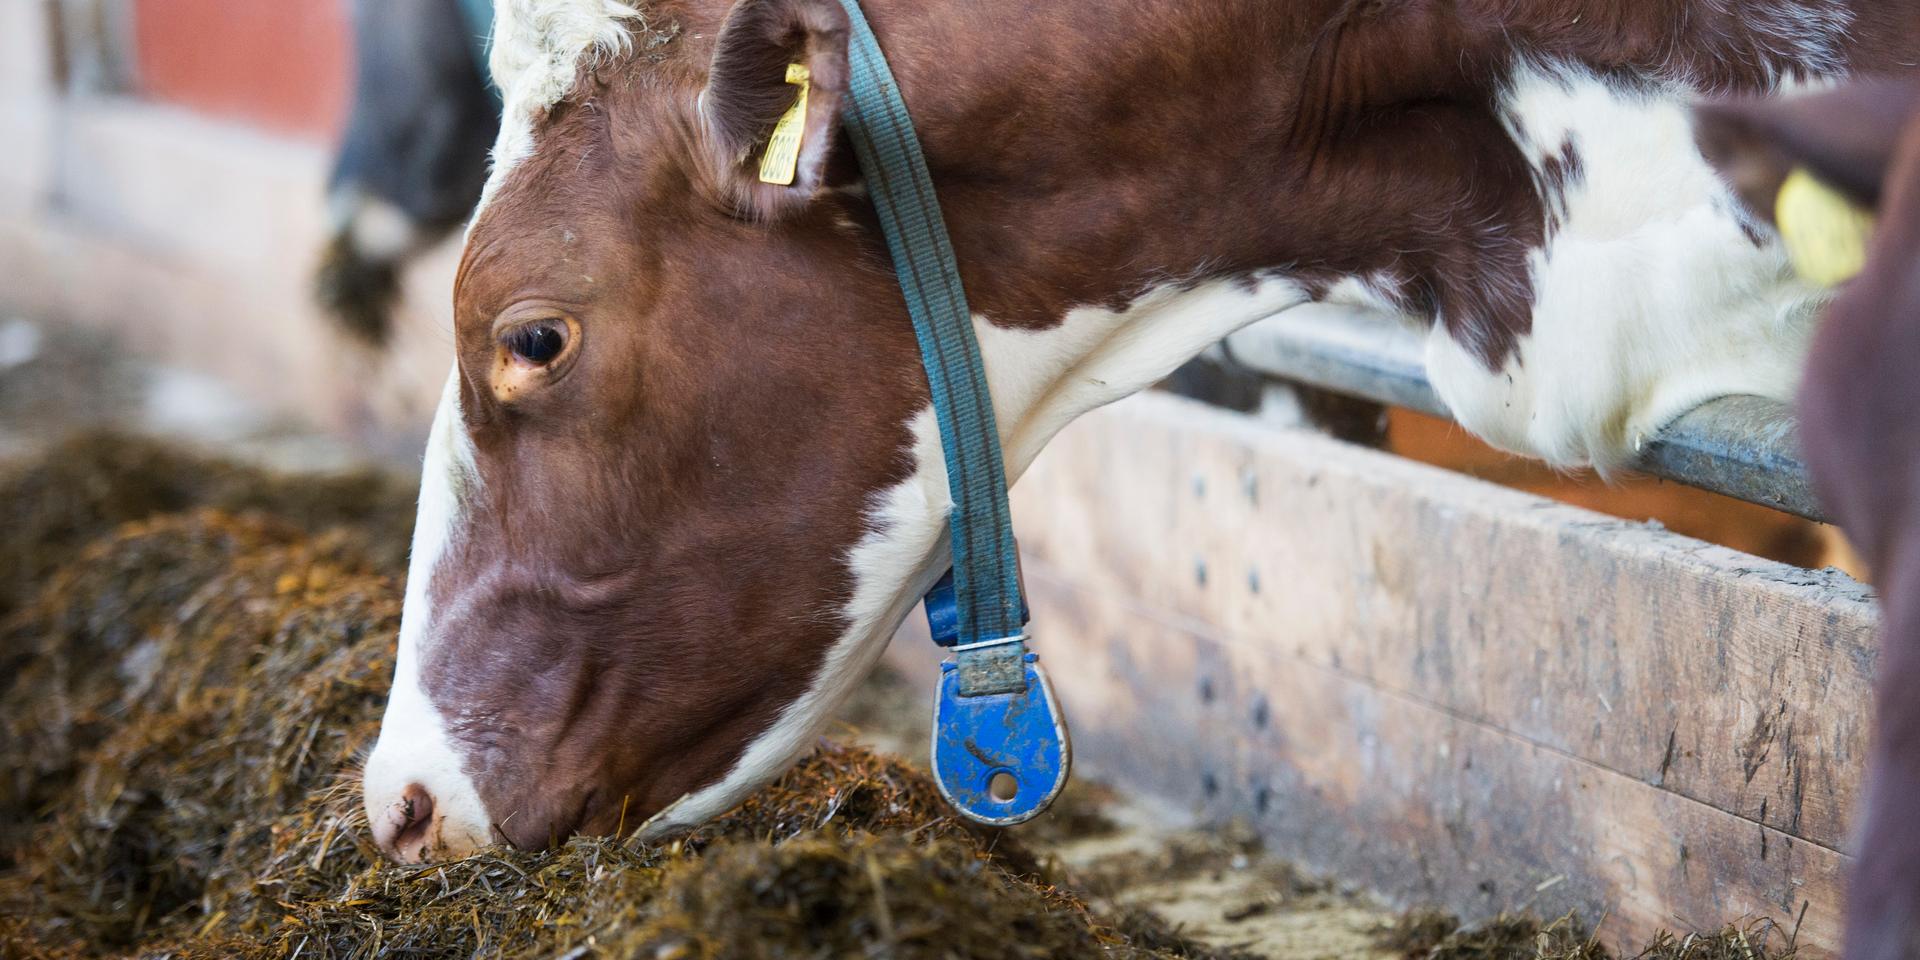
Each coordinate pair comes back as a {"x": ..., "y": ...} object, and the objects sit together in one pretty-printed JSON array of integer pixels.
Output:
[{"x": 1743, "y": 447}]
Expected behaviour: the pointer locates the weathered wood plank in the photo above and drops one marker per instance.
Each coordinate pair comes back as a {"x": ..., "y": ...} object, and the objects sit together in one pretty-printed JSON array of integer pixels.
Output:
[
  {"x": 1738, "y": 682},
  {"x": 1417, "y": 803},
  {"x": 1437, "y": 686}
]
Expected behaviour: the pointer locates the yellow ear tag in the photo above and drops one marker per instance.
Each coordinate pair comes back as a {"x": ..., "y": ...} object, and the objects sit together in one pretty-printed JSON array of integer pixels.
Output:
[
  {"x": 783, "y": 148},
  {"x": 1826, "y": 233}
]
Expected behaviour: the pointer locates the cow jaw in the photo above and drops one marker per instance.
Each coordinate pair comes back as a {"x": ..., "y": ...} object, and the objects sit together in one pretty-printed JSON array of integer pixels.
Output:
[
  {"x": 414, "y": 753},
  {"x": 1040, "y": 381},
  {"x": 893, "y": 565}
]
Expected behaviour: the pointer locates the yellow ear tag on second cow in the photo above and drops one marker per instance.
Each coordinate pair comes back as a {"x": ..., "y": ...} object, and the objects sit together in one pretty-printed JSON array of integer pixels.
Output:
[
  {"x": 1826, "y": 234},
  {"x": 777, "y": 165}
]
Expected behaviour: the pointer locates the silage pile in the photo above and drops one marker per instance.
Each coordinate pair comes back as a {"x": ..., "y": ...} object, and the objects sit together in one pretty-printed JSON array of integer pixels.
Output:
[
  {"x": 195, "y": 656},
  {"x": 188, "y": 694}
]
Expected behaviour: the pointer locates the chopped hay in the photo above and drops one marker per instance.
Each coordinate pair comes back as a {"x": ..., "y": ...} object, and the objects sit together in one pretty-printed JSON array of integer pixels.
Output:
[
  {"x": 91, "y": 483},
  {"x": 1438, "y": 937},
  {"x": 193, "y": 676},
  {"x": 1432, "y": 935},
  {"x": 188, "y": 698},
  {"x": 195, "y": 691},
  {"x": 1752, "y": 941},
  {"x": 859, "y": 895}
]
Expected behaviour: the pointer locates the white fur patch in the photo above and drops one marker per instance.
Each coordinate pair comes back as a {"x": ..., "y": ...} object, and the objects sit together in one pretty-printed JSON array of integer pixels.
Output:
[
  {"x": 1043, "y": 379},
  {"x": 1649, "y": 299},
  {"x": 1040, "y": 381},
  {"x": 413, "y": 745},
  {"x": 539, "y": 47},
  {"x": 1376, "y": 293}
]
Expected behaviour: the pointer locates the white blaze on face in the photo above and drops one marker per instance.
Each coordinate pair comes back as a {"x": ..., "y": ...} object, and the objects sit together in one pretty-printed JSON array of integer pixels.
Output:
[
  {"x": 414, "y": 749},
  {"x": 1650, "y": 298},
  {"x": 538, "y": 47}
]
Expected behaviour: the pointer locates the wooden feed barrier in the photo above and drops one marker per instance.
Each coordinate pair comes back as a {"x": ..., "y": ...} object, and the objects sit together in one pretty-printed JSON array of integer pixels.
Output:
[{"x": 1448, "y": 691}]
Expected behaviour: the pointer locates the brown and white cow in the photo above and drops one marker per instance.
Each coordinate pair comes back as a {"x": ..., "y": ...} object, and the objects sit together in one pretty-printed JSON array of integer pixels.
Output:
[
  {"x": 1860, "y": 424},
  {"x": 684, "y": 483}
]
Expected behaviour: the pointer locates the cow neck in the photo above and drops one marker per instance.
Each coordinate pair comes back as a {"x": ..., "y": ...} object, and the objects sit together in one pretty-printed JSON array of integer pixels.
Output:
[{"x": 995, "y": 715}]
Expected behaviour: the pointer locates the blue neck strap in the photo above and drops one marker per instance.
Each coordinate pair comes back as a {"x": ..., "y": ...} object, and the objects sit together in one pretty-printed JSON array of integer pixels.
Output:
[
  {"x": 986, "y": 576},
  {"x": 996, "y": 719}
]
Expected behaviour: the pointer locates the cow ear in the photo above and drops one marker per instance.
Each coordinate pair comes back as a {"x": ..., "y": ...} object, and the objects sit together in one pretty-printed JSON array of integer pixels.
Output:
[
  {"x": 771, "y": 108},
  {"x": 1845, "y": 136}
]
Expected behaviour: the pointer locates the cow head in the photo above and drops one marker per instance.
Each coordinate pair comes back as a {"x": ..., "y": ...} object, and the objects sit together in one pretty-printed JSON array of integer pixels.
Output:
[
  {"x": 672, "y": 500},
  {"x": 684, "y": 481}
]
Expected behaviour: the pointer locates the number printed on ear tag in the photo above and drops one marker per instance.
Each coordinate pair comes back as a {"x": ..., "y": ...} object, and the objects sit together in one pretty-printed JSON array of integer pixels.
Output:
[{"x": 782, "y": 158}]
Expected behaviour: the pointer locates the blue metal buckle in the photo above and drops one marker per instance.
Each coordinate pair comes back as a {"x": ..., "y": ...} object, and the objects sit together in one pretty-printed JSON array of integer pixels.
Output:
[
  {"x": 994, "y": 714},
  {"x": 978, "y": 738}
]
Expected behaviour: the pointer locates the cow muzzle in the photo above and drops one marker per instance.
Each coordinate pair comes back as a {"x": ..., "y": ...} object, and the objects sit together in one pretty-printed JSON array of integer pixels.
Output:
[{"x": 420, "y": 804}]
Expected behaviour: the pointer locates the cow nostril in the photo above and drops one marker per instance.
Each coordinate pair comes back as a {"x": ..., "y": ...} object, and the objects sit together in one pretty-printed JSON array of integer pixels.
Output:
[{"x": 409, "y": 824}]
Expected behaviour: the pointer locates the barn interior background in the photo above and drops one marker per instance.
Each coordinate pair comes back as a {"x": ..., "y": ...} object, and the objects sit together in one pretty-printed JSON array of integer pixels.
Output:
[
  {"x": 1433, "y": 673},
  {"x": 166, "y": 160}
]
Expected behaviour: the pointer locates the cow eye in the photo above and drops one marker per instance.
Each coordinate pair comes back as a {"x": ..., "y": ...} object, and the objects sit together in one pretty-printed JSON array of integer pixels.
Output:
[
  {"x": 537, "y": 343},
  {"x": 534, "y": 345}
]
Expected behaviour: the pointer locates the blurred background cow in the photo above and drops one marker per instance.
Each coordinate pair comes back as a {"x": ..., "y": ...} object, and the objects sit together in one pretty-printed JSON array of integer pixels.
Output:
[{"x": 413, "y": 157}]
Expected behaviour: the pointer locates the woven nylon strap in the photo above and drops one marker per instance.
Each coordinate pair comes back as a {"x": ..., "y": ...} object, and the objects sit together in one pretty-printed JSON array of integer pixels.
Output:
[{"x": 986, "y": 575}]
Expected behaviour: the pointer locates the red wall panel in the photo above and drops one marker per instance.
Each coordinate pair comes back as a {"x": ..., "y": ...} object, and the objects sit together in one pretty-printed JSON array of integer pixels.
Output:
[{"x": 282, "y": 64}]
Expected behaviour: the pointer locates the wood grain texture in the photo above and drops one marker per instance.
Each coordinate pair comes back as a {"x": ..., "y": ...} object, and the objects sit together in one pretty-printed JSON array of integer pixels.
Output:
[
  {"x": 1405, "y": 798},
  {"x": 1447, "y": 689}
]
